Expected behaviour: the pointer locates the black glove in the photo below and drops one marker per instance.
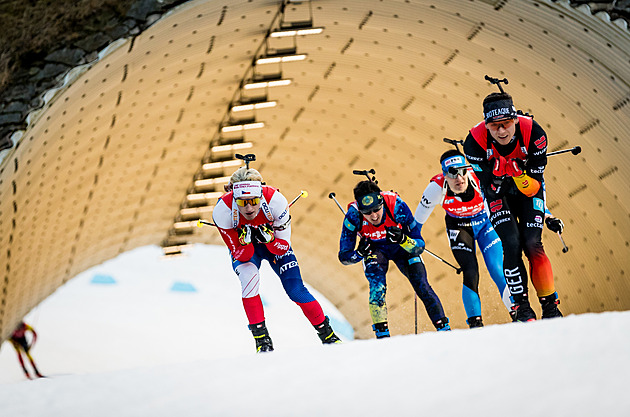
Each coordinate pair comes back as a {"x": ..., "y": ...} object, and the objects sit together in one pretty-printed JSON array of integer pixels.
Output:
[
  {"x": 364, "y": 248},
  {"x": 554, "y": 224},
  {"x": 394, "y": 234},
  {"x": 263, "y": 234},
  {"x": 496, "y": 190}
]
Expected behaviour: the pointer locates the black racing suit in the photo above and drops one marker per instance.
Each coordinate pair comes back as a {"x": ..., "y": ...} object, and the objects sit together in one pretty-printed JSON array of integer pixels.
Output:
[{"x": 517, "y": 218}]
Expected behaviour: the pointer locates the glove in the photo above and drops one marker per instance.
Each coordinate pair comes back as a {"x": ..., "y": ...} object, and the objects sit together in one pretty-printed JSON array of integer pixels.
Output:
[
  {"x": 500, "y": 164},
  {"x": 422, "y": 245},
  {"x": 364, "y": 248},
  {"x": 263, "y": 234},
  {"x": 554, "y": 224},
  {"x": 244, "y": 235},
  {"x": 513, "y": 168},
  {"x": 496, "y": 190},
  {"x": 394, "y": 234}
]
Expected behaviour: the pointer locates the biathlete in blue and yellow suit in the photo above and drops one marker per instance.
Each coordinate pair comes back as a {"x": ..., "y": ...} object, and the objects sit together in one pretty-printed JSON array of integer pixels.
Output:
[
  {"x": 388, "y": 231},
  {"x": 458, "y": 191}
]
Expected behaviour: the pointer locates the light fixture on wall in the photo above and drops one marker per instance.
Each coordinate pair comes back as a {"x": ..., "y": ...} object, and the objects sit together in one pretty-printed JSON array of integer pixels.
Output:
[
  {"x": 286, "y": 32},
  {"x": 237, "y": 107},
  {"x": 278, "y": 58},
  {"x": 293, "y": 19},
  {"x": 251, "y": 85}
]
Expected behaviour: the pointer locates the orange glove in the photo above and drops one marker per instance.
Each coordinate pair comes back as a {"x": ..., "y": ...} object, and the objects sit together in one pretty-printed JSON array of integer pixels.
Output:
[{"x": 526, "y": 184}]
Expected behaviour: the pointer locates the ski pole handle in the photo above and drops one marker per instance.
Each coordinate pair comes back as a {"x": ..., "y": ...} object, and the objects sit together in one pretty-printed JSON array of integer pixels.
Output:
[
  {"x": 302, "y": 194},
  {"x": 332, "y": 196},
  {"x": 201, "y": 223}
]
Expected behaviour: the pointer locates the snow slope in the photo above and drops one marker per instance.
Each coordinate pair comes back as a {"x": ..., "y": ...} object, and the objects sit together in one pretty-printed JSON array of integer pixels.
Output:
[{"x": 147, "y": 345}]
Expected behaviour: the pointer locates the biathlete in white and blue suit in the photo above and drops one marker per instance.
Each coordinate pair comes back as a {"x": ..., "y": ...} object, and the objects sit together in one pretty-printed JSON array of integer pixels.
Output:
[
  {"x": 388, "y": 231},
  {"x": 467, "y": 221}
]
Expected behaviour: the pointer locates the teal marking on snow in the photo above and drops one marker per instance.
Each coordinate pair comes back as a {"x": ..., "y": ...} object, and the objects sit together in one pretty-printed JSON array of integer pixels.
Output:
[
  {"x": 183, "y": 287},
  {"x": 103, "y": 279}
]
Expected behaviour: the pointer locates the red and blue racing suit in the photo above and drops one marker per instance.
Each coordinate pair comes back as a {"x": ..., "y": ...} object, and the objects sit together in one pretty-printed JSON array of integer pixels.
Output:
[{"x": 466, "y": 223}]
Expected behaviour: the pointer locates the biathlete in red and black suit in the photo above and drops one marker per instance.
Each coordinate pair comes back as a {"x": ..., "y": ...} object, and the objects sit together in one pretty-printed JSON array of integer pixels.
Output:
[
  {"x": 21, "y": 345},
  {"x": 509, "y": 154},
  {"x": 255, "y": 224},
  {"x": 388, "y": 231}
]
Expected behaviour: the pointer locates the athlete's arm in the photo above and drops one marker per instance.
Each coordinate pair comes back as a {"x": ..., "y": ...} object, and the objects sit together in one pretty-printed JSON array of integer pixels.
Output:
[
  {"x": 430, "y": 198},
  {"x": 413, "y": 242},
  {"x": 349, "y": 230},
  {"x": 281, "y": 225}
]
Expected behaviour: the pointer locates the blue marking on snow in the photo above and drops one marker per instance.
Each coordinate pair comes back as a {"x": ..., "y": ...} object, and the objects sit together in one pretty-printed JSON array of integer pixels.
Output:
[
  {"x": 183, "y": 287},
  {"x": 103, "y": 279},
  {"x": 341, "y": 328}
]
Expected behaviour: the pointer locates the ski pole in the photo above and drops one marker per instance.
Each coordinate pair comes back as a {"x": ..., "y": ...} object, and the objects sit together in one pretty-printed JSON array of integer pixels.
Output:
[
  {"x": 200, "y": 223},
  {"x": 302, "y": 194},
  {"x": 332, "y": 195},
  {"x": 458, "y": 270},
  {"x": 565, "y": 249},
  {"x": 574, "y": 150},
  {"x": 415, "y": 311}
]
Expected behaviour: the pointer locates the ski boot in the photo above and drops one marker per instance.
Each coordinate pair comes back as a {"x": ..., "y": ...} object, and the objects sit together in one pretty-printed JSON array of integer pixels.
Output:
[
  {"x": 522, "y": 309},
  {"x": 549, "y": 305},
  {"x": 261, "y": 336},
  {"x": 474, "y": 321},
  {"x": 381, "y": 330},
  {"x": 442, "y": 325},
  {"x": 326, "y": 333},
  {"x": 512, "y": 313}
]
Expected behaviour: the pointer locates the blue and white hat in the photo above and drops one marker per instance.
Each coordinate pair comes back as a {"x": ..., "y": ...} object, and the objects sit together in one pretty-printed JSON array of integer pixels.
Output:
[{"x": 455, "y": 161}]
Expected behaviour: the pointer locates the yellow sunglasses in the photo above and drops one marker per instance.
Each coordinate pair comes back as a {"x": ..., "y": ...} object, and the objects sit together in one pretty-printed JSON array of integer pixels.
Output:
[{"x": 252, "y": 201}]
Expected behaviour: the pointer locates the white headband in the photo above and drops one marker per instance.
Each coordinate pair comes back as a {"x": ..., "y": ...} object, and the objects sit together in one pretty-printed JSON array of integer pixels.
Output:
[{"x": 245, "y": 189}]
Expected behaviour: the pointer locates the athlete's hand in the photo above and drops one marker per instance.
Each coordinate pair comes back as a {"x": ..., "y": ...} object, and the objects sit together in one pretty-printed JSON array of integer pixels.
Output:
[
  {"x": 364, "y": 248},
  {"x": 244, "y": 235},
  {"x": 263, "y": 234},
  {"x": 500, "y": 164},
  {"x": 513, "y": 168},
  {"x": 394, "y": 234},
  {"x": 554, "y": 224},
  {"x": 496, "y": 190}
]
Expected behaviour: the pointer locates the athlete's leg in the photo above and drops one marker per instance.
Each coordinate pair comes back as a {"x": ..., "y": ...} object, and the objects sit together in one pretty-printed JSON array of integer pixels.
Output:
[
  {"x": 249, "y": 275},
  {"x": 30, "y": 358},
  {"x": 492, "y": 251},
  {"x": 531, "y": 220},
  {"x": 463, "y": 247},
  {"x": 413, "y": 268},
  {"x": 505, "y": 224},
  {"x": 287, "y": 268},
  {"x": 18, "y": 350},
  {"x": 375, "y": 267}
]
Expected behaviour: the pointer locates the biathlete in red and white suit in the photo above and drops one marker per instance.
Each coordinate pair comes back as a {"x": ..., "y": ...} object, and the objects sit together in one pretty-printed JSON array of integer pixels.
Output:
[
  {"x": 467, "y": 221},
  {"x": 255, "y": 224}
]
